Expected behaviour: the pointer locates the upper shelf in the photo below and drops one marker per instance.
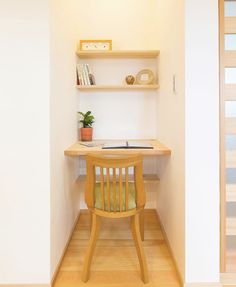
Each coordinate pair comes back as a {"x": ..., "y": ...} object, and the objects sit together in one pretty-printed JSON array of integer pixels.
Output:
[{"x": 118, "y": 54}]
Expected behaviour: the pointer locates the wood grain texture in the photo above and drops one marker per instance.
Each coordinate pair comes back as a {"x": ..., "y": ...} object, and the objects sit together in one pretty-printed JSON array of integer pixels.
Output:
[
  {"x": 222, "y": 135},
  {"x": 231, "y": 192},
  {"x": 230, "y": 159},
  {"x": 230, "y": 25},
  {"x": 230, "y": 59},
  {"x": 96, "y": 220},
  {"x": 227, "y": 126},
  {"x": 77, "y": 149},
  {"x": 231, "y": 227},
  {"x": 231, "y": 263},
  {"x": 115, "y": 261},
  {"x": 139, "y": 248},
  {"x": 25, "y": 285},
  {"x": 118, "y": 54},
  {"x": 118, "y": 87},
  {"x": 229, "y": 92},
  {"x": 228, "y": 279},
  {"x": 230, "y": 126}
]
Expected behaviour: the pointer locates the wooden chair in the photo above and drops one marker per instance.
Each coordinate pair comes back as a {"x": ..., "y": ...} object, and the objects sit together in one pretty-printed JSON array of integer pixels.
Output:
[{"x": 115, "y": 197}]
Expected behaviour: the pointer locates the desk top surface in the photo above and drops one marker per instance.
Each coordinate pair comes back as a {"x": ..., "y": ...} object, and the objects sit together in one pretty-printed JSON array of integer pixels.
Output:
[{"x": 78, "y": 149}]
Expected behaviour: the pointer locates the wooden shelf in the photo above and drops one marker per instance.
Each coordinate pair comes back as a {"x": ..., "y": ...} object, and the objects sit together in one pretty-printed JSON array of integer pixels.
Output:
[
  {"x": 231, "y": 226},
  {"x": 118, "y": 54},
  {"x": 118, "y": 87}
]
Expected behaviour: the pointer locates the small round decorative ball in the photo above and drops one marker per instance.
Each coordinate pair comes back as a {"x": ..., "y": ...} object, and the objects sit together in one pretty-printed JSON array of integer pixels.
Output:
[{"x": 130, "y": 79}]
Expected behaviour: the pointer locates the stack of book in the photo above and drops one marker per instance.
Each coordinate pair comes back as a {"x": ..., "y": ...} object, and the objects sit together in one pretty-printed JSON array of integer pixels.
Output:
[{"x": 84, "y": 75}]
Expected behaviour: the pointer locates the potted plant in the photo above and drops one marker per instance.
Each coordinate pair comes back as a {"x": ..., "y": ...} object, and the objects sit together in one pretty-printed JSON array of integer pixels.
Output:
[{"x": 86, "y": 131}]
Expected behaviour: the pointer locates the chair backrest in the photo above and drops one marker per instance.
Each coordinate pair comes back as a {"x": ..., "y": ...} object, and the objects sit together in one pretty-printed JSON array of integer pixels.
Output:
[{"x": 112, "y": 184}]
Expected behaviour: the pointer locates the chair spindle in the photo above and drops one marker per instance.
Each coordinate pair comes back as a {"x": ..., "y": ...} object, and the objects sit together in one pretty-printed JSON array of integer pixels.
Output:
[
  {"x": 108, "y": 189},
  {"x": 126, "y": 188},
  {"x": 120, "y": 188},
  {"x": 102, "y": 187},
  {"x": 114, "y": 189}
]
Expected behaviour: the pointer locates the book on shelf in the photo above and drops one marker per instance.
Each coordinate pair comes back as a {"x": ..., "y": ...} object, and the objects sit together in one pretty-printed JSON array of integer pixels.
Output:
[
  {"x": 92, "y": 79},
  {"x": 84, "y": 75},
  {"x": 90, "y": 75},
  {"x": 80, "y": 75},
  {"x": 77, "y": 77},
  {"x": 127, "y": 145}
]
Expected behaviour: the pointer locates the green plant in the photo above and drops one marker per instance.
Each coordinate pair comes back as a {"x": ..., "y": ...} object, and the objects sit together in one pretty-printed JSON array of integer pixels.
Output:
[{"x": 87, "y": 119}]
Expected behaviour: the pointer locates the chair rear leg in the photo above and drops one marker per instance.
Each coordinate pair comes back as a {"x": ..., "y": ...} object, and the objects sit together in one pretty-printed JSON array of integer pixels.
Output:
[
  {"x": 96, "y": 222},
  {"x": 138, "y": 244},
  {"x": 141, "y": 224},
  {"x": 90, "y": 221}
]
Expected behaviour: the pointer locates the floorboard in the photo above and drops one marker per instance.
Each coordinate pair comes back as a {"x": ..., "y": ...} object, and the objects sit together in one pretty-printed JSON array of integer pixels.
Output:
[{"x": 115, "y": 261}]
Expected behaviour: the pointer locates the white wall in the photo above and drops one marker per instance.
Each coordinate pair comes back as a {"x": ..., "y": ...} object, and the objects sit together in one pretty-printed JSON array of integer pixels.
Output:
[
  {"x": 170, "y": 111},
  {"x": 120, "y": 114},
  {"x": 131, "y": 25},
  {"x": 63, "y": 126},
  {"x": 202, "y": 141},
  {"x": 24, "y": 159}
]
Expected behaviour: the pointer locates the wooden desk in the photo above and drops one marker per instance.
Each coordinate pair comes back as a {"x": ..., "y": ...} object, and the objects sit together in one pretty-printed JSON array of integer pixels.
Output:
[{"x": 79, "y": 150}]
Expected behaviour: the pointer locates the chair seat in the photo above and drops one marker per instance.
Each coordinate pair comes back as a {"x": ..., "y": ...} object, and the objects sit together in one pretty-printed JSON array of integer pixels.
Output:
[{"x": 131, "y": 198}]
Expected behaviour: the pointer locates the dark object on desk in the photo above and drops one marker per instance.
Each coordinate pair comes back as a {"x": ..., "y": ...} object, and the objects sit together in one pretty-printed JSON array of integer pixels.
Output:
[{"x": 127, "y": 145}]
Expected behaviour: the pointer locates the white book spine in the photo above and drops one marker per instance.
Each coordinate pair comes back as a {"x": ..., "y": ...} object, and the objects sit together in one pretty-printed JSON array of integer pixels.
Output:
[
  {"x": 90, "y": 76},
  {"x": 88, "y": 68},
  {"x": 80, "y": 75},
  {"x": 86, "y": 73}
]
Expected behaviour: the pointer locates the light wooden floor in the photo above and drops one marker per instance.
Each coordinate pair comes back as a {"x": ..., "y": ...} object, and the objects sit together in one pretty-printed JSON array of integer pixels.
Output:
[{"x": 115, "y": 262}]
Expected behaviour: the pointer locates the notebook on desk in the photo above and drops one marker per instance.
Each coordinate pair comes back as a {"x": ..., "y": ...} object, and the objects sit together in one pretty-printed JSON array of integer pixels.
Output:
[{"x": 127, "y": 145}]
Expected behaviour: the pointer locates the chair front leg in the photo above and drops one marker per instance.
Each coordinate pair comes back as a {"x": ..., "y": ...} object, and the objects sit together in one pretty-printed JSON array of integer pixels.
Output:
[
  {"x": 96, "y": 222},
  {"x": 138, "y": 244}
]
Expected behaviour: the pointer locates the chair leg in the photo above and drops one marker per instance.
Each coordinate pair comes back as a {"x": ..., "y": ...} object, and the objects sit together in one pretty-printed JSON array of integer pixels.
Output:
[
  {"x": 96, "y": 221},
  {"x": 138, "y": 244},
  {"x": 141, "y": 225},
  {"x": 90, "y": 221}
]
